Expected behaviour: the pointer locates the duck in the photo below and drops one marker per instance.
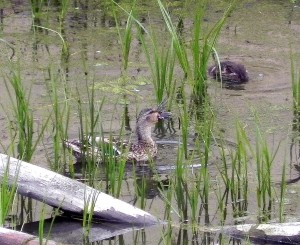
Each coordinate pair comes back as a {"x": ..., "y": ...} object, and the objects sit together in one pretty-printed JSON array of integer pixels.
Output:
[
  {"x": 143, "y": 150},
  {"x": 229, "y": 71}
]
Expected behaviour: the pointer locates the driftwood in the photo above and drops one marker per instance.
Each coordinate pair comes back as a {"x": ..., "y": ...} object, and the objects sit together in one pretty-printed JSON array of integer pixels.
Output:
[
  {"x": 273, "y": 233},
  {"x": 9, "y": 237},
  {"x": 70, "y": 195},
  {"x": 284, "y": 233}
]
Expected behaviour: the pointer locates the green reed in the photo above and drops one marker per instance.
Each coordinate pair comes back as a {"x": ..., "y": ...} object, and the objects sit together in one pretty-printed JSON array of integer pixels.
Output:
[
  {"x": 180, "y": 51},
  {"x": 282, "y": 194},
  {"x": 180, "y": 187},
  {"x": 89, "y": 116},
  {"x": 140, "y": 186},
  {"x": 201, "y": 51},
  {"x": 60, "y": 118},
  {"x": 126, "y": 40},
  {"x": 88, "y": 210},
  {"x": 7, "y": 194},
  {"x": 264, "y": 159},
  {"x": 119, "y": 161},
  {"x": 64, "y": 5},
  {"x": 90, "y": 128},
  {"x": 191, "y": 188},
  {"x": 161, "y": 61},
  {"x": 197, "y": 188},
  {"x": 184, "y": 122},
  {"x": 295, "y": 87},
  {"x": 161, "y": 58},
  {"x": 41, "y": 226},
  {"x": 65, "y": 45},
  {"x": 239, "y": 175},
  {"x": 24, "y": 136},
  {"x": 234, "y": 173},
  {"x": 36, "y": 10},
  {"x": 204, "y": 129},
  {"x": 201, "y": 47},
  {"x": 21, "y": 119},
  {"x": 114, "y": 168}
]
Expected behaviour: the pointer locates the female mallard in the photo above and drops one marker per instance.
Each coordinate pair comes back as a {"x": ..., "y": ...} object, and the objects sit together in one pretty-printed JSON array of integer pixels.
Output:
[
  {"x": 143, "y": 150},
  {"x": 229, "y": 71}
]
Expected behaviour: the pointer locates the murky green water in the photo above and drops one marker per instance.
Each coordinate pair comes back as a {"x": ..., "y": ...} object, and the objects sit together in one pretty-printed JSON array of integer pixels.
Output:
[{"x": 259, "y": 34}]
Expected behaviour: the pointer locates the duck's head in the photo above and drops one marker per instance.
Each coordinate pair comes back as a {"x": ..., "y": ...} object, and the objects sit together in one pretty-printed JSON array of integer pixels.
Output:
[{"x": 150, "y": 116}]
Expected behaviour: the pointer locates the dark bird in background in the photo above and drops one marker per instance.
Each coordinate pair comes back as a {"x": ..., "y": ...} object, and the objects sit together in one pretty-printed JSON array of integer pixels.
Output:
[{"x": 229, "y": 71}]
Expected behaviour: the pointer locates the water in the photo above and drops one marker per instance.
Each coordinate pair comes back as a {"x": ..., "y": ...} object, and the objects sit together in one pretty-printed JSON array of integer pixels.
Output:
[{"x": 258, "y": 34}]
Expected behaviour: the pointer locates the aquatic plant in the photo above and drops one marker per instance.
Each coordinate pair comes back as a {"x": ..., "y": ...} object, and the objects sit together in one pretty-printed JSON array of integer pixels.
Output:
[
  {"x": 21, "y": 120},
  {"x": 184, "y": 122},
  {"x": 191, "y": 193},
  {"x": 88, "y": 210},
  {"x": 114, "y": 169},
  {"x": 295, "y": 77},
  {"x": 125, "y": 40},
  {"x": 203, "y": 142},
  {"x": 65, "y": 45},
  {"x": 239, "y": 176},
  {"x": 264, "y": 159},
  {"x": 64, "y": 5},
  {"x": 89, "y": 125},
  {"x": 36, "y": 10},
  {"x": 200, "y": 51},
  {"x": 282, "y": 194},
  {"x": 7, "y": 194},
  {"x": 60, "y": 119},
  {"x": 161, "y": 61}
]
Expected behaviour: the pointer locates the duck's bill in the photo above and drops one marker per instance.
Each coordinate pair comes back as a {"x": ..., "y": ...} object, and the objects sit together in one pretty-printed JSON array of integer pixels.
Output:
[{"x": 165, "y": 115}]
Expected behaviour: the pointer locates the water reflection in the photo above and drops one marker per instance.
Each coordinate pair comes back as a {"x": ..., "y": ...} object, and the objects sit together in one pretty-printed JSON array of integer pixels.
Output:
[
  {"x": 150, "y": 188},
  {"x": 70, "y": 230},
  {"x": 126, "y": 117}
]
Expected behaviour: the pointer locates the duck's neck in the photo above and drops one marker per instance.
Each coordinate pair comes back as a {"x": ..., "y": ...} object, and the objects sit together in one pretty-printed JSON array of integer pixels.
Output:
[{"x": 144, "y": 134}]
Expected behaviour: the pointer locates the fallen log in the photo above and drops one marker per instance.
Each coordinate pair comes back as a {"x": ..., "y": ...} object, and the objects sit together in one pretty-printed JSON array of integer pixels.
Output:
[
  {"x": 9, "y": 237},
  {"x": 70, "y": 195},
  {"x": 273, "y": 233},
  {"x": 278, "y": 233}
]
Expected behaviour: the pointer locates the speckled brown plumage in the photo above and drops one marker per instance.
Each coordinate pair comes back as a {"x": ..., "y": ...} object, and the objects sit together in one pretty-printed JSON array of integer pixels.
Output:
[{"x": 143, "y": 150}]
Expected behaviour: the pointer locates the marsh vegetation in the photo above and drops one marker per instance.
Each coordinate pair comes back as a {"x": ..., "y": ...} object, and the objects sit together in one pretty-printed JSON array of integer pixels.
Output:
[{"x": 75, "y": 69}]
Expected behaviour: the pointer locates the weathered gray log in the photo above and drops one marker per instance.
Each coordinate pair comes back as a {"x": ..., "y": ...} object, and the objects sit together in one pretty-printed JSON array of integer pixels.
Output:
[
  {"x": 279, "y": 233},
  {"x": 70, "y": 195},
  {"x": 9, "y": 237},
  {"x": 285, "y": 233}
]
